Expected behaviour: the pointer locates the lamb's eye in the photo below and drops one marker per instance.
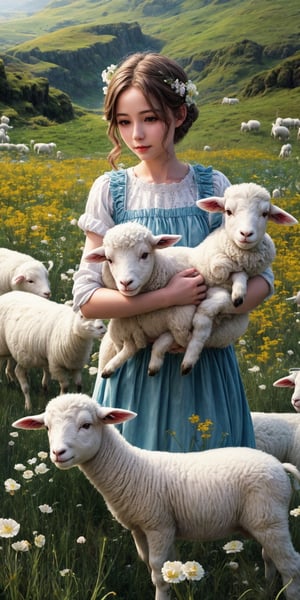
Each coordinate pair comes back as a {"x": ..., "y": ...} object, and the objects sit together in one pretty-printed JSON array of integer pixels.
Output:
[
  {"x": 85, "y": 426},
  {"x": 265, "y": 214},
  {"x": 145, "y": 255},
  {"x": 228, "y": 212},
  {"x": 109, "y": 260}
]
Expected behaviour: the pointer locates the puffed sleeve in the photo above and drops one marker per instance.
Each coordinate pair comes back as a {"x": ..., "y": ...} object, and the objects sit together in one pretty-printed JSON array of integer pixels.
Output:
[{"x": 97, "y": 218}]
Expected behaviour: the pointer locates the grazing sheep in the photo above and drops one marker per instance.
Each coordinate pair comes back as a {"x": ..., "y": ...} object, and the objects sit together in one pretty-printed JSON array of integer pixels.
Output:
[
  {"x": 19, "y": 271},
  {"x": 292, "y": 380},
  {"x": 280, "y": 132},
  {"x": 161, "y": 496},
  {"x": 278, "y": 434},
  {"x": 227, "y": 100},
  {"x": 36, "y": 332},
  {"x": 227, "y": 257},
  {"x": 251, "y": 125},
  {"x": 42, "y": 148},
  {"x": 285, "y": 151},
  {"x": 276, "y": 193}
]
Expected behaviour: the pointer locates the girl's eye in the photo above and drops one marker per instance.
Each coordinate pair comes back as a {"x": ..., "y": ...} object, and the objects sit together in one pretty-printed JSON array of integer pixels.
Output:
[
  {"x": 151, "y": 119},
  {"x": 123, "y": 122}
]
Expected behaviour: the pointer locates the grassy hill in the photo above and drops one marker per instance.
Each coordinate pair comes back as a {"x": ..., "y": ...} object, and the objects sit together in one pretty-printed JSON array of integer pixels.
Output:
[{"x": 244, "y": 48}]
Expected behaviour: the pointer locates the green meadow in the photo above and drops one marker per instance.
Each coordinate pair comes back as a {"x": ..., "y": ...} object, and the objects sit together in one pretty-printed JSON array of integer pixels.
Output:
[{"x": 68, "y": 545}]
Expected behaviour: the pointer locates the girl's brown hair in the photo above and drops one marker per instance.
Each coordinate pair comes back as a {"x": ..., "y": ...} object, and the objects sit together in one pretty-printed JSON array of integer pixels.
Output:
[{"x": 153, "y": 75}]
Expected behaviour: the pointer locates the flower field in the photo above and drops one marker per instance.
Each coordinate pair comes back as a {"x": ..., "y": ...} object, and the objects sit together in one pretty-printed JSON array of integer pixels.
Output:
[{"x": 57, "y": 539}]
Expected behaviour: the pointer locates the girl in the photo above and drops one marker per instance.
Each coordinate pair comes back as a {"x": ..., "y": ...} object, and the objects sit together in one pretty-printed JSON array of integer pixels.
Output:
[{"x": 150, "y": 106}]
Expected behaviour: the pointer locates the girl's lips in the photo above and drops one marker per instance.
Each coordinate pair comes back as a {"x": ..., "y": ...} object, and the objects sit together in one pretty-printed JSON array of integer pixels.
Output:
[{"x": 141, "y": 148}]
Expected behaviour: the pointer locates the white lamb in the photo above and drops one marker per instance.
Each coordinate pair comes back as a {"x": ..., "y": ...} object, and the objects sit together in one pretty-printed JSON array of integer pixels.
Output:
[
  {"x": 135, "y": 260},
  {"x": 278, "y": 434},
  {"x": 36, "y": 332},
  {"x": 251, "y": 125},
  {"x": 292, "y": 380},
  {"x": 43, "y": 148},
  {"x": 160, "y": 496},
  {"x": 280, "y": 132},
  {"x": 19, "y": 271},
  {"x": 285, "y": 151}
]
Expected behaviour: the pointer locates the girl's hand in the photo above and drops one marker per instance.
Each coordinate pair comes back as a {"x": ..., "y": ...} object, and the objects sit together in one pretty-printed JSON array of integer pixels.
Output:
[{"x": 186, "y": 287}]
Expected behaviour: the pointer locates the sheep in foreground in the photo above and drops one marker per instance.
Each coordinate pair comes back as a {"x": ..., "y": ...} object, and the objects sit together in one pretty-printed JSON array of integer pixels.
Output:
[
  {"x": 160, "y": 496},
  {"x": 135, "y": 260},
  {"x": 292, "y": 380},
  {"x": 19, "y": 271},
  {"x": 278, "y": 434},
  {"x": 36, "y": 332}
]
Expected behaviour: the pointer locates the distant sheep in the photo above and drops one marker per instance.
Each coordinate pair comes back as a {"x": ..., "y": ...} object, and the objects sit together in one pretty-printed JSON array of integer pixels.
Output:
[
  {"x": 251, "y": 125},
  {"x": 36, "y": 332},
  {"x": 280, "y": 132},
  {"x": 238, "y": 249},
  {"x": 292, "y": 380},
  {"x": 227, "y": 100},
  {"x": 161, "y": 496},
  {"x": 19, "y": 271},
  {"x": 42, "y": 148},
  {"x": 285, "y": 151}
]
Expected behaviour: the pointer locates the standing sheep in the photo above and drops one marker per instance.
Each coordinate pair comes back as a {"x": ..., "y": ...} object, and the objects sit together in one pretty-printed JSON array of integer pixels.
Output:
[
  {"x": 19, "y": 271},
  {"x": 227, "y": 257},
  {"x": 280, "y": 132},
  {"x": 251, "y": 125},
  {"x": 161, "y": 496},
  {"x": 36, "y": 332},
  {"x": 285, "y": 151}
]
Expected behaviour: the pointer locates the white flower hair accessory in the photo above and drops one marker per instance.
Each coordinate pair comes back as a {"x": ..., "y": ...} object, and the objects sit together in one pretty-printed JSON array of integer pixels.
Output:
[
  {"x": 187, "y": 90},
  {"x": 107, "y": 75}
]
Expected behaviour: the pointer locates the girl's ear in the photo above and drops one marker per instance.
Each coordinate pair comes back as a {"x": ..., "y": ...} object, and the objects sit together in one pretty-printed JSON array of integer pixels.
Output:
[{"x": 181, "y": 115}]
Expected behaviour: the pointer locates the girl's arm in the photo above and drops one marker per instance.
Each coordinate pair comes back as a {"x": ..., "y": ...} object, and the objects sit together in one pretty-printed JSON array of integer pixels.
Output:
[{"x": 187, "y": 287}]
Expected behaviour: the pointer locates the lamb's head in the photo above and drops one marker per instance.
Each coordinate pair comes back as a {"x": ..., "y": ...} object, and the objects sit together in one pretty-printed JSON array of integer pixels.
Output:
[
  {"x": 32, "y": 277},
  {"x": 74, "y": 423},
  {"x": 88, "y": 328},
  {"x": 247, "y": 207},
  {"x": 292, "y": 380},
  {"x": 129, "y": 249}
]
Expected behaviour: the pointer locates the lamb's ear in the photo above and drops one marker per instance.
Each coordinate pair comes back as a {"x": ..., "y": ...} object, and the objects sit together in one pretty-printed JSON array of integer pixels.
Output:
[
  {"x": 95, "y": 255},
  {"x": 281, "y": 217},
  {"x": 164, "y": 241},
  {"x": 285, "y": 382},
  {"x": 32, "y": 422},
  {"x": 113, "y": 416},
  {"x": 212, "y": 204},
  {"x": 18, "y": 279}
]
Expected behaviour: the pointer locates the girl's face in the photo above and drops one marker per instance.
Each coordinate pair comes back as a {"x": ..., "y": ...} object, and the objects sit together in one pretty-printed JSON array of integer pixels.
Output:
[{"x": 141, "y": 129}]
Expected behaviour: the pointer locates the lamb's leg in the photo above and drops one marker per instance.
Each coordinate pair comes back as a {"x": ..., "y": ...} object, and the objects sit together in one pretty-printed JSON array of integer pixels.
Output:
[
  {"x": 128, "y": 350},
  {"x": 161, "y": 345},
  {"x": 279, "y": 550},
  {"x": 239, "y": 287},
  {"x": 161, "y": 549},
  {"x": 10, "y": 370},
  {"x": 21, "y": 376},
  {"x": 215, "y": 302}
]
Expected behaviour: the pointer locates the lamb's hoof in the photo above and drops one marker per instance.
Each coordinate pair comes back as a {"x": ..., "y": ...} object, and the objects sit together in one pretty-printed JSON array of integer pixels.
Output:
[
  {"x": 185, "y": 370},
  {"x": 152, "y": 372},
  {"x": 105, "y": 374},
  {"x": 237, "y": 302}
]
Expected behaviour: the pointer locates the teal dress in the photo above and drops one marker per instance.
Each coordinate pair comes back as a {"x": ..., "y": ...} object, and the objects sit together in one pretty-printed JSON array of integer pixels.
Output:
[{"x": 204, "y": 409}]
